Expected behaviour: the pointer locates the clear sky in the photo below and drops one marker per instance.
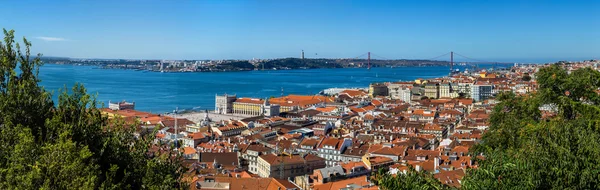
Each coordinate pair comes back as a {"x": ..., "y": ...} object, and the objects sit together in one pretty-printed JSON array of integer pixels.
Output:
[{"x": 502, "y": 30}]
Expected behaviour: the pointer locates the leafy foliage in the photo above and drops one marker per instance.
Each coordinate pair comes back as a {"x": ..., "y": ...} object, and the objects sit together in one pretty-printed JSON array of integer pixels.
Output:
[
  {"x": 70, "y": 145},
  {"x": 411, "y": 180},
  {"x": 526, "y": 151}
]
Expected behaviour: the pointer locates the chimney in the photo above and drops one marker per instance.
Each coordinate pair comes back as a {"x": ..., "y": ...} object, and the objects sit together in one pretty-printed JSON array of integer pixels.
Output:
[{"x": 436, "y": 163}]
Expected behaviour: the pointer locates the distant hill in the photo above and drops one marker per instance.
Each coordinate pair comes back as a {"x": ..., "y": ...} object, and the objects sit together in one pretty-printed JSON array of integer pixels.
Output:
[
  {"x": 235, "y": 66},
  {"x": 296, "y": 63}
]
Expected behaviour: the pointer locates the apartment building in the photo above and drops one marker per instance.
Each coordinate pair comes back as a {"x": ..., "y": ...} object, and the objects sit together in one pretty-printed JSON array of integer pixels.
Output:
[{"x": 289, "y": 165}]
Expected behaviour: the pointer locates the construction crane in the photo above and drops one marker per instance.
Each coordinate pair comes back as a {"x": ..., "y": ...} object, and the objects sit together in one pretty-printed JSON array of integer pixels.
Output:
[
  {"x": 282, "y": 154},
  {"x": 175, "y": 112}
]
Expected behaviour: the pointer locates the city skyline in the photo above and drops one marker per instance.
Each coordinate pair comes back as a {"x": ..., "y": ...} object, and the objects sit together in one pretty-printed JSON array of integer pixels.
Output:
[
  {"x": 531, "y": 31},
  {"x": 300, "y": 95}
]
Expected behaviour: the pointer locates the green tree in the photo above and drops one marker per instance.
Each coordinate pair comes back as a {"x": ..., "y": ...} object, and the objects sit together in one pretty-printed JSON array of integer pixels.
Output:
[
  {"x": 411, "y": 180},
  {"x": 70, "y": 145},
  {"x": 523, "y": 150}
]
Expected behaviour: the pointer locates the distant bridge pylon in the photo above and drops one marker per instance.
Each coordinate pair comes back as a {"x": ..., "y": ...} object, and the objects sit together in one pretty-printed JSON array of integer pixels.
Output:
[{"x": 451, "y": 55}]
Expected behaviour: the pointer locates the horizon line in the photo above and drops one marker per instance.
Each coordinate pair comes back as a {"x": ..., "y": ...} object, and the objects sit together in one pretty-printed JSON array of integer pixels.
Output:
[{"x": 537, "y": 60}]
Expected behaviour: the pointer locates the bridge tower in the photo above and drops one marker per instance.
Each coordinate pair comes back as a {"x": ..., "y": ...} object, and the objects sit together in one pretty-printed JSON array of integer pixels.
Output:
[
  {"x": 369, "y": 60},
  {"x": 451, "y": 61}
]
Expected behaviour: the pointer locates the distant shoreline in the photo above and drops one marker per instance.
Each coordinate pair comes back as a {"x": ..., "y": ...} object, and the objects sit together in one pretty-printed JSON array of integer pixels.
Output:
[
  {"x": 243, "y": 65},
  {"x": 227, "y": 71}
]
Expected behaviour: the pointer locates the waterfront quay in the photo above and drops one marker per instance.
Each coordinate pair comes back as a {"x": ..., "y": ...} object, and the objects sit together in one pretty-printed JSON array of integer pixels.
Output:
[{"x": 197, "y": 116}]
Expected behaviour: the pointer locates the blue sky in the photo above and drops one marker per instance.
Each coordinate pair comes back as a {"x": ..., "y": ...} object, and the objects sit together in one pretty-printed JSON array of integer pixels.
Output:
[{"x": 503, "y": 30}]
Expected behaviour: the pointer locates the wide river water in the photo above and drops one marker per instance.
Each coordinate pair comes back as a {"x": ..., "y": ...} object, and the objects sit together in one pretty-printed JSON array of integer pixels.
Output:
[{"x": 161, "y": 92}]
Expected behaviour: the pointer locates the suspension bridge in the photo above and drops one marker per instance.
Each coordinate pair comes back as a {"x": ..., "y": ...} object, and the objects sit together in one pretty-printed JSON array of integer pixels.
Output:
[{"x": 449, "y": 57}]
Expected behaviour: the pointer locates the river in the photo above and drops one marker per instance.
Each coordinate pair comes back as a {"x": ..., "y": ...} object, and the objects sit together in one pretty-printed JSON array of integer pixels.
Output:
[{"x": 161, "y": 92}]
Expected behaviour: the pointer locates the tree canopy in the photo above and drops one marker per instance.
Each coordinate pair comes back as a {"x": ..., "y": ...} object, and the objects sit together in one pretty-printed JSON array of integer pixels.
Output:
[
  {"x": 412, "y": 179},
  {"x": 525, "y": 150},
  {"x": 68, "y": 144}
]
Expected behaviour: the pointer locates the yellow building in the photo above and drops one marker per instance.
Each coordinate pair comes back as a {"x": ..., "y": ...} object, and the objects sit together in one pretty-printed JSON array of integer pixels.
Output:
[
  {"x": 432, "y": 91},
  {"x": 293, "y": 165},
  {"x": 288, "y": 108},
  {"x": 487, "y": 75},
  {"x": 420, "y": 81},
  {"x": 248, "y": 106}
]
